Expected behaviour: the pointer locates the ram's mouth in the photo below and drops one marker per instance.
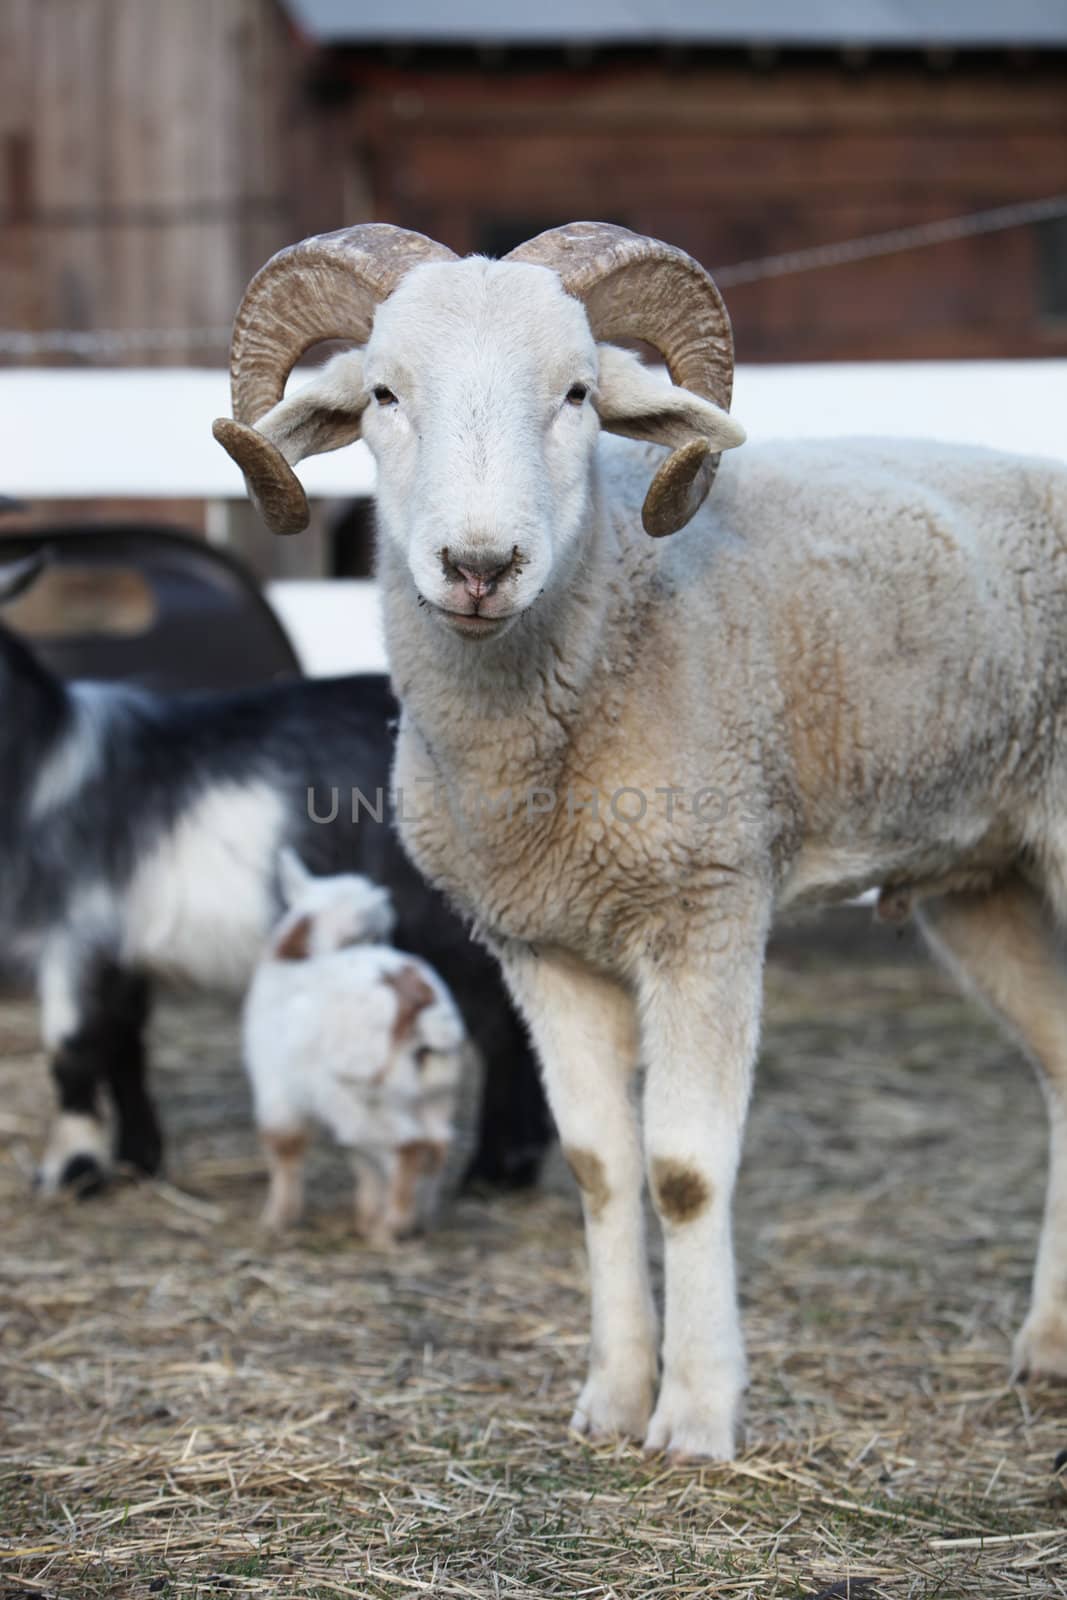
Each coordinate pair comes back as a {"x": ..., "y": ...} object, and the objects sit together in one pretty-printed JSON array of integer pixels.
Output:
[{"x": 472, "y": 624}]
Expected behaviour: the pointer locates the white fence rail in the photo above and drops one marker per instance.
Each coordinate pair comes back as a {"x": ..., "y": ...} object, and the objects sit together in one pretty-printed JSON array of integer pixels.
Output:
[{"x": 144, "y": 432}]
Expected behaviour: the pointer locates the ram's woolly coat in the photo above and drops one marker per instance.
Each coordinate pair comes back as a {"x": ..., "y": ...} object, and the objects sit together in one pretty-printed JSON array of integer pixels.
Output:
[{"x": 856, "y": 653}]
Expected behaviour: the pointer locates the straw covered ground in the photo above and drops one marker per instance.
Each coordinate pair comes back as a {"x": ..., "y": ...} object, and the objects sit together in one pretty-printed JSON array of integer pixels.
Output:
[{"x": 186, "y": 1411}]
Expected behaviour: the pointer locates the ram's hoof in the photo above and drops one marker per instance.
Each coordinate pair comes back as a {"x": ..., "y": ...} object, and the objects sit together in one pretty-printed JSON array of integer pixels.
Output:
[
  {"x": 1040, "y": 1348},
  {"x": 694, "y": 1426},
  {"x": 616, "y": 1405}
]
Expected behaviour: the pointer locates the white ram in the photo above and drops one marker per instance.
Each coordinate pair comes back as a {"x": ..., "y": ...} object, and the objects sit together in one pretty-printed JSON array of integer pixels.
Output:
[{"x": 848, "y": 670}]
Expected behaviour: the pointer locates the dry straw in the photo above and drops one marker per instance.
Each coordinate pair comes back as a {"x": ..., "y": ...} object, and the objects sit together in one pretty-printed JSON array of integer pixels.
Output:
[{"x": 186, "y": 1411}]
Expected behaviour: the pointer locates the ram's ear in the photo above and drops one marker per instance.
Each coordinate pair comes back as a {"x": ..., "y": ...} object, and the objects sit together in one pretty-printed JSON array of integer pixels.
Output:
[
  {"x": 640, "y": 404},
  {"x": 324, "y": 415}
]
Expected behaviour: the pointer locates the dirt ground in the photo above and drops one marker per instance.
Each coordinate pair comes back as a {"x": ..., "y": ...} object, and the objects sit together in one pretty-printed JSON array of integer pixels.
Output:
[{"x": 187, "y": 1410}]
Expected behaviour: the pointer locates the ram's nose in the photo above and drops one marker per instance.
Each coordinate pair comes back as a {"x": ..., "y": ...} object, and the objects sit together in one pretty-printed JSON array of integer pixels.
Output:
[{"x": 480, "y": 576}]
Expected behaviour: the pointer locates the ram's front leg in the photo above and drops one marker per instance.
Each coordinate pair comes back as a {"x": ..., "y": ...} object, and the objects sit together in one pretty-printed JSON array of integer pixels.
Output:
[
  {"x": 700, "y": 1026},
  {"x": 584, "y": 1029}
]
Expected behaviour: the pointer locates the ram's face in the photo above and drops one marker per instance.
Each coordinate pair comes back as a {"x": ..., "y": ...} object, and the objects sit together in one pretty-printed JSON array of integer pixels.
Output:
[
  {"x": 481, "y": 382},
  {"x": 480, "y": 387}
]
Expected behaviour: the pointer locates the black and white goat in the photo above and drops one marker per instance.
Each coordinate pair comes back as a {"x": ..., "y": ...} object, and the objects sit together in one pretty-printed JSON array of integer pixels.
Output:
[{"x": 139, "y": 839}]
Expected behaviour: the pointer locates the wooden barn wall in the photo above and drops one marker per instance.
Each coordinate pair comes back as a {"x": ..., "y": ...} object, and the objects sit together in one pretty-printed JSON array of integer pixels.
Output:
[
  {"x": 154, "y": 152},
  {"x": 733, "y": 163},
  {"x": 144, "y": 162}
]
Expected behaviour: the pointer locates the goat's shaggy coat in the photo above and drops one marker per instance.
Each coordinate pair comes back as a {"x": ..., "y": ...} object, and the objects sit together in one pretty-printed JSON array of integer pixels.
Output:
[{"x": 849, "y": 670}]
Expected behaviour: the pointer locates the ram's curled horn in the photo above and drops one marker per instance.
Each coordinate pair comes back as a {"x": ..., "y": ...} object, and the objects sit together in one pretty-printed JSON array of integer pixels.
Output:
[
  {"x": 634, "y": 287},
  {"x": 326, "y": 287}
]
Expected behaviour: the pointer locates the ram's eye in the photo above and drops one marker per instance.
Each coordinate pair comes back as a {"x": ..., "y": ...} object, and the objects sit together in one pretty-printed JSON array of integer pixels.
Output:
[
  {"x": 577, "y": 393},
  {"x": 384, "y": 396}
]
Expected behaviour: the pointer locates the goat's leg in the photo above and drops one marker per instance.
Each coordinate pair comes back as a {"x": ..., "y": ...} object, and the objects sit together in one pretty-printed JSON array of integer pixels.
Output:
[
  {"x": 93, "y": 1016},
  {"x": 700, "y": 1028},
  {"x": 77, "y": 1152},
  {"x": 584, "y": 1029},
  {"x": 415, "y": 1185},
  {"x": 125, "y": 1000},
  {"x": 78, "y": 1148},
  {"x": 514, "y": 1126},
  {"x": 373, "y": 1171},
  {"x": 1003, "y": 945},
  {"x": 284, "y": 1149},
  {"x": 387, "y": 1184}
]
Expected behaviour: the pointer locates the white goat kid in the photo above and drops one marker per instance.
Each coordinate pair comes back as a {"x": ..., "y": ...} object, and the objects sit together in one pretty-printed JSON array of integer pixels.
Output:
[
  {"x": 849, "y": 670},
  {"x": 346, "y": 1032}
]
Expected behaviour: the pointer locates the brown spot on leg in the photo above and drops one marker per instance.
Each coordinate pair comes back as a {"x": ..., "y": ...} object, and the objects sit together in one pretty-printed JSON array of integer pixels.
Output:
[
  {"x": 680, "y": 1192},
  {"x": 590, "y": 1177}
]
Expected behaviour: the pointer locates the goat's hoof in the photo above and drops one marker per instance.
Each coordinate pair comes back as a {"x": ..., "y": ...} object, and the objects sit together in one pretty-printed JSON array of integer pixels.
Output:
[
  {"x": 376, "y": 1230},
  {"x": 145, "y": 1156},
  {"x": 690, "y": 1427},
  {"x": 277, "y": 1220},
  {"x": 82, "y": 1175},
  {"x": 613, "y": 1406},
  {"x": 1040, "y": 1349},
  {"x": 77, "y": 1158},
  {"x": 381, "y": 1238}
]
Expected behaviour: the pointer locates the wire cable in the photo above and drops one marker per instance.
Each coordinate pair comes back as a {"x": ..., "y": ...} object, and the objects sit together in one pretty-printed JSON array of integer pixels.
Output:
[
  {"x": 889, "y": 243},
  {"x": 25, "y": 344}
]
